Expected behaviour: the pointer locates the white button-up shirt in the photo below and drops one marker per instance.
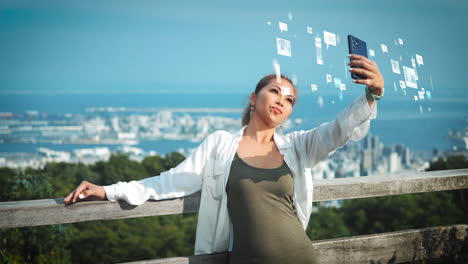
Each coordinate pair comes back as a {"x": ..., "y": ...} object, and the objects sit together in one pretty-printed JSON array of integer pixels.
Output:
[{"x": 207, "y": 169}]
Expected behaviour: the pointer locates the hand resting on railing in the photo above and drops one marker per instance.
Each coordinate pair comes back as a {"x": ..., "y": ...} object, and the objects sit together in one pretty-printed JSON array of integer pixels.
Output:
[{"x": 86, "y": 191}]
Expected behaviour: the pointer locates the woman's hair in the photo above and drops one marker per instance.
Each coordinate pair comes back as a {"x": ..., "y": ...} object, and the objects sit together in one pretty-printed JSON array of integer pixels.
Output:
[{"x": 262, "y": 83}]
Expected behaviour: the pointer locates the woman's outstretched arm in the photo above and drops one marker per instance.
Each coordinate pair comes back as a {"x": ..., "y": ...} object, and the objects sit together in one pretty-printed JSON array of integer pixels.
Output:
[
  {"x": 351, "y": 124},
  {"x": 183, "y": 180}
]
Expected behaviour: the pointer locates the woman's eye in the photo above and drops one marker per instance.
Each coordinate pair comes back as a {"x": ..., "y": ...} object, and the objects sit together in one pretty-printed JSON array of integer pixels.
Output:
[
  {"x": 290, "y": 100},
  {"x": 275, "y": 90}
]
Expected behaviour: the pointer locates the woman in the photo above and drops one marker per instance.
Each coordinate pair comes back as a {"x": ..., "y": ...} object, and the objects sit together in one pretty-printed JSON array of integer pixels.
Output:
[{"x": 256, "y": 186}]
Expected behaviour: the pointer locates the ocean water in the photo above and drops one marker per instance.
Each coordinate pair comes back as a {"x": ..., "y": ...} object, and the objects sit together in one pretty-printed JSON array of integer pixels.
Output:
[{"x": 422, "y": 126}]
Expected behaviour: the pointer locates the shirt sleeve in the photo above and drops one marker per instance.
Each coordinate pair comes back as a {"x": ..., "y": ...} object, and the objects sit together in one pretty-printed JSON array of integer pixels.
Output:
[
  {"x": 351, "y": 124},
  {"x": 183, "y": 180}
]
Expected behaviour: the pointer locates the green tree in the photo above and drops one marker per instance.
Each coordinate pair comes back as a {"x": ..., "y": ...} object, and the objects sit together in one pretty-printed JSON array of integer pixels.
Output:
[
  {"x": 118, "y": 168},
  {"x": 327, "y": 223},
  {"x": 154, "y": 165},
  {"x": 453, "y": 163}
]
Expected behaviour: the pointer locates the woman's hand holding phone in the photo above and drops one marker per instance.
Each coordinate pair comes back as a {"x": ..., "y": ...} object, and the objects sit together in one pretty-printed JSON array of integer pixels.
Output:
[{"x": 374, "y": 79}]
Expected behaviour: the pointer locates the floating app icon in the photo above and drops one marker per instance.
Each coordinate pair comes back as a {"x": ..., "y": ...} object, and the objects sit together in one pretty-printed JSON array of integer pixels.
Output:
[
  {"x": 283, "y": 47},
  {"x": 395, "y": 67},
  {"x": 419, "y": 59},
  {"x": 400, "y": 41},
  {"x": 276, "y": 68},
  {"x": 309, "y": 30},
  {"x": 318, "y": 49},
  {"x": 329, "y": 38},
  {"x": 328, "y": 78},
  {"x": 342, "y": 87},
  {"x": 313, "y": 87},
  {"x": 283, "y": 26},
  {"x": 285, "y": 91},
  {"x": 421, "y": 95},
  {"x": 371, "y": 53},
  {"x": 384, "y": 48},
  {"x": 402, "y": 84},
  {"x": 410, "y": 77}
]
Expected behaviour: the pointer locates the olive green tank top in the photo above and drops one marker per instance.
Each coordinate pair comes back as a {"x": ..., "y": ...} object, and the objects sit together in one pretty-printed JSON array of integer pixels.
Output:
[{"x": 261, "y": 208}]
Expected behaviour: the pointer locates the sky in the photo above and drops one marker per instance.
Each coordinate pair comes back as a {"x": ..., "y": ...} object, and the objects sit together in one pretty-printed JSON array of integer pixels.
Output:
[{"x": 220, "y": 47}]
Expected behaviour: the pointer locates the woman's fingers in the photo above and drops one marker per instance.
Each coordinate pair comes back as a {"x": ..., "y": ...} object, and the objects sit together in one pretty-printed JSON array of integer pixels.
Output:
[
  {"x": 364, "y": 64},
  {"x": 73, "y": 196},
  {"x": 86, "y": 191},
  {"x": 367, "y": 82},
  {"x": 366, "y": 73},
  {"x": 359, "y": 57},
  {"x": 374, "y": 79}
]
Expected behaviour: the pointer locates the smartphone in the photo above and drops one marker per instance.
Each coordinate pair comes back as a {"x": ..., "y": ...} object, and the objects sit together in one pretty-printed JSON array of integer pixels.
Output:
[{"x": 357, "y": 46}]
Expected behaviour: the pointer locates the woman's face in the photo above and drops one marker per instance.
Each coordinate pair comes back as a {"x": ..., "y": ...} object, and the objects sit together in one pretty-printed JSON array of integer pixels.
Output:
[{"x": 273, "y": 104}]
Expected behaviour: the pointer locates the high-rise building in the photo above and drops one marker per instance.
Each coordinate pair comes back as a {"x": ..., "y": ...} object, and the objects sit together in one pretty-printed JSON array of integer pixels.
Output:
[{"x": 366, "y": 162}]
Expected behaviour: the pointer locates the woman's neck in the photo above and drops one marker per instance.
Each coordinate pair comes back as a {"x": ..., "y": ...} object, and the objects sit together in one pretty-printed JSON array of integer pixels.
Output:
[{"x": 259, "y": 135}]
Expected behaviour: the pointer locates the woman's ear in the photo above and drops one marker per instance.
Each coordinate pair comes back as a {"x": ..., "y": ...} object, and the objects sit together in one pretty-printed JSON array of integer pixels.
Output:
[{"x": 252, "y": 98}]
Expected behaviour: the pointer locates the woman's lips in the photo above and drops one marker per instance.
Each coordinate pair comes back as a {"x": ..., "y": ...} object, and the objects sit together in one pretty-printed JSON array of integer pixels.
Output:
[{"x": 276, "y": 110}]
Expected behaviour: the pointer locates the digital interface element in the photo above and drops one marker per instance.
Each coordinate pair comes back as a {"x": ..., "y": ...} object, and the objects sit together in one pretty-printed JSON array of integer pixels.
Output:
[
  {"x": 318, "y": 48},
  {"x": 283, "y": 26},
  {"x": 285, "y": 91},
  {"x": 329, "y": 38},
  {"x": 402, "y": 84},
  {"x": 283, "y": 47},
  {"x": 410, "y": 77},
  {"x": 400, "y": 66},
  {"x": 395, "y": 66},
  {"x": 421, "y": 94},
  {"x": 419, "y": 59},
  {"x": 277, "y": 69},
  {"x": 384, "y": 48}
]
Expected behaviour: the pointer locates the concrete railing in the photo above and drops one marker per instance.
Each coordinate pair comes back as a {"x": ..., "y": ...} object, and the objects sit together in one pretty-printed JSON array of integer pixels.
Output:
[{"x": 394, "y": 247}]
